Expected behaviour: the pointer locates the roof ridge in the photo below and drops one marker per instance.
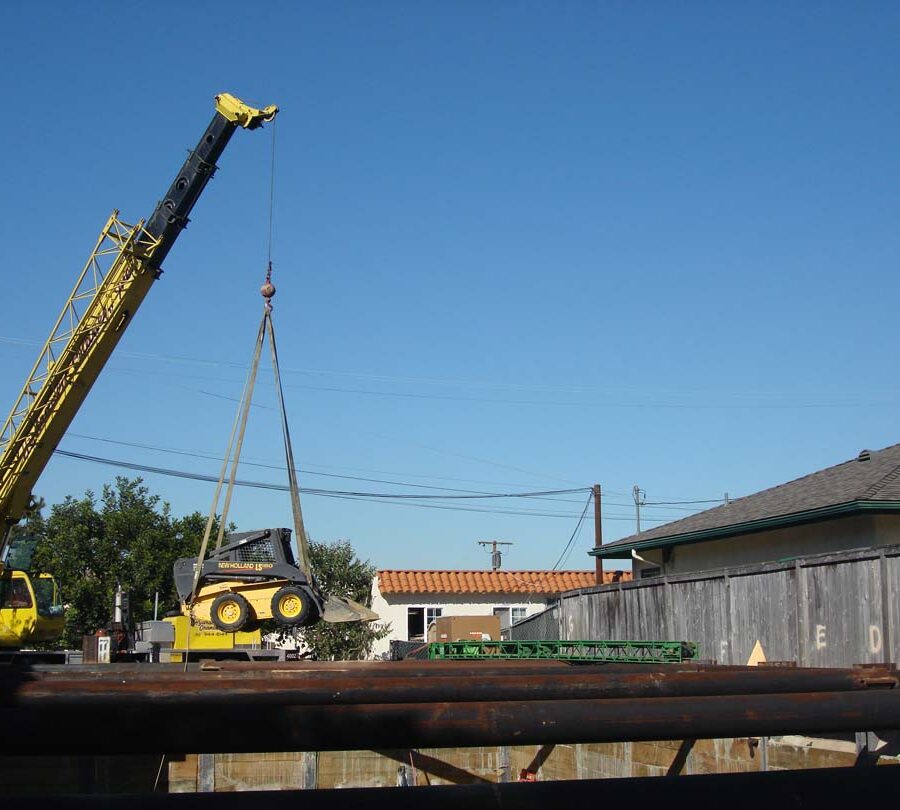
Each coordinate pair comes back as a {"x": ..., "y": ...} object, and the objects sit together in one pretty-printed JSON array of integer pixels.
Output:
[
  {"x": 808, "y": 475},
  {"x": 881, "y": 483},
  {"x": 845, "y": 480}
]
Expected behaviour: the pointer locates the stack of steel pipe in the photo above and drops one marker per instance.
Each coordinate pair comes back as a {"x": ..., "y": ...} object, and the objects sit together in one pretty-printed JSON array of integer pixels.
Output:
[{"x": 307, "y": 706}]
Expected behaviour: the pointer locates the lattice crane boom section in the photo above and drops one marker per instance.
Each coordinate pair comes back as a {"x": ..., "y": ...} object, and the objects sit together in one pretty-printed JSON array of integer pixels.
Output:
[
  {"x": 633, "y": 652},
  {"x": 111, "y": 286}
]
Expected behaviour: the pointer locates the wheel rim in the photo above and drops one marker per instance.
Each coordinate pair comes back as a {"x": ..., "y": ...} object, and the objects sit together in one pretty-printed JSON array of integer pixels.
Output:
[
  {"x": 290, "y": 605},
  {"x": 229, "y": 612}
]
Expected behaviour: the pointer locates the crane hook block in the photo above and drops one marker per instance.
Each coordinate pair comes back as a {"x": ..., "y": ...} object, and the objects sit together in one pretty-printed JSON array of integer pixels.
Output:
[{"x": 242, "y": 114}]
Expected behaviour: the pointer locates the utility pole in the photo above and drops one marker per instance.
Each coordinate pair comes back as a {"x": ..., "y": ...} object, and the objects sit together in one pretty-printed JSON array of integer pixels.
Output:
[
  {"x": 495, "y": 552},
  {"x": 639, "y": 497},
  {"x": 598, "y": 534}
]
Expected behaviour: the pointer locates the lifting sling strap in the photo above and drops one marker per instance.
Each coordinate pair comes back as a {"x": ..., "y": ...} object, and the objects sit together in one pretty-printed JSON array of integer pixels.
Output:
[{"x": 235, "y": 444}]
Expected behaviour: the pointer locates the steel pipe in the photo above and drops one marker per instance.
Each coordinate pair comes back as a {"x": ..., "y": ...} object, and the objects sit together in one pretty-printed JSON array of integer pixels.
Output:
[
  {"x": 370, "y": 669},
  {"x": 133, "y": 688},
  {"x": 238, "y": 727}
]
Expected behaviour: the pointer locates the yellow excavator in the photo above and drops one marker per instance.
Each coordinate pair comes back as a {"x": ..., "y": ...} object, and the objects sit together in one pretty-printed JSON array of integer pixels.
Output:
[{"x": 125, "y": 262}]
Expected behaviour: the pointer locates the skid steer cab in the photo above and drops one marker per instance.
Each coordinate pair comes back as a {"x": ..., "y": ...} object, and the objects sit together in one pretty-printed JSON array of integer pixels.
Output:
[{"x": 254, "y": 577}]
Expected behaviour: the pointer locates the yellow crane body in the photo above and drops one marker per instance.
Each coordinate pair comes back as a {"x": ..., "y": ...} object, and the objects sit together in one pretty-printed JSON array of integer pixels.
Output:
[
  {"x": 30, "y": 609},
  {"x": 125, "y": 262}
]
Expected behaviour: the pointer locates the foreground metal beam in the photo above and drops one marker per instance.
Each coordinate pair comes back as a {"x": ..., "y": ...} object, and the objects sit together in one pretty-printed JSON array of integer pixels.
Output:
[
  {"x": 236, "y": 727},
  {"x": 117, "y": 687},
  {"x": 819, "y": 789}
]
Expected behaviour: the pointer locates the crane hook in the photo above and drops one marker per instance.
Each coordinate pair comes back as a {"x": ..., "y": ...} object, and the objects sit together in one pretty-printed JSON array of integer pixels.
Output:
[{"x": 268, "y": 289}]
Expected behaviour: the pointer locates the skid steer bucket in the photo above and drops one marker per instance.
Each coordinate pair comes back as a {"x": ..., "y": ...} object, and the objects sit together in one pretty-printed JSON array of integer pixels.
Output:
[{"x": 338, "y": 609}]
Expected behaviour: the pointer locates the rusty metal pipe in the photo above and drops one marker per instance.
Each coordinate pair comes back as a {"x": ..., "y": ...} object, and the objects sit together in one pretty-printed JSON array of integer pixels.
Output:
[
  {"x": 288, "y": 688},
  {"x": 369, "y": 669},
  {"x": 251, "y": 728},
  {"x": 405, "y": 669}
]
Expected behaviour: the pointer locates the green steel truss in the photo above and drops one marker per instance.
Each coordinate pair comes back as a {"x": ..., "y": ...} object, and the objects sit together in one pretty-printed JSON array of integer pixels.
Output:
[{"x": 628, "y": 652}]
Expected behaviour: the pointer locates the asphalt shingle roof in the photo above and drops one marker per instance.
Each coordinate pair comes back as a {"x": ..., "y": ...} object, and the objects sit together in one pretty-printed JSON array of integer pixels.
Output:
[{"x": 872, "y": 477}]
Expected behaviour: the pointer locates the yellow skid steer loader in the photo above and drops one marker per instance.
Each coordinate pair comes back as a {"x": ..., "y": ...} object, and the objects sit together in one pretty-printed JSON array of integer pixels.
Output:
[{"x": 253, "y": 577}]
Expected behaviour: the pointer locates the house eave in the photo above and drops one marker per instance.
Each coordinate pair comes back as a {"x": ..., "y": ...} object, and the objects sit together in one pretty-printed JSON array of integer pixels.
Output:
[{"x": 623, "y": 552}]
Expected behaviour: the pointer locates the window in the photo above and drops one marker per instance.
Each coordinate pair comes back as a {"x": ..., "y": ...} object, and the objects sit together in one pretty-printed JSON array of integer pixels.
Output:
[
  {"x": 47, "y": 597},
  {"x": 650, "y": 572},
  {"x": 503, "y": 613},
  {"x": 415, "y": 624},
  {"x": 259, "y": 551},
  {"x": 517, "y": 614},
  {"x": 16, "y": 594},
  {"x": 418, "y": 619}
]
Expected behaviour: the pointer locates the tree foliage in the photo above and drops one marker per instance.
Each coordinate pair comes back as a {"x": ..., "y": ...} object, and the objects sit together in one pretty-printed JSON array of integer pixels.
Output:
[
  {"x": 128, "y": 537},
  {"x": 339, "y": 572}
]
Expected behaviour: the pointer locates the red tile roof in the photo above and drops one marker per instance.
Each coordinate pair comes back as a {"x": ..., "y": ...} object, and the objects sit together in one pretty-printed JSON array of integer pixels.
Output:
[{"x": 491, "y": 581}]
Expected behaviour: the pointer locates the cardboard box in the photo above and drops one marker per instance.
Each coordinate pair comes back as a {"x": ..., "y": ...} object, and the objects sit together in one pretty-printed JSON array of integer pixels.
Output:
[{"x": 465, "y": 628}]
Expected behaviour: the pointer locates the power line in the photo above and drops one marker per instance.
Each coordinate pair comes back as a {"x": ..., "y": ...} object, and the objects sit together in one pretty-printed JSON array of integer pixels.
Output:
[
  {"x": 574, "y": 533},
  {"x": 213, "y": 457},
  {"x": 667, "y": 399},
  {"x": 671, "y": 503},
  {"x": 577, "y": 538},
  {"x": 317, "y": 491},
  {"x": 670, "y": 506},
  {"x": 306, "y": 471},
  {"x": 385, "y": 498},
  {"x": 622, "y": 403},
  {"x": 207, "y": 455}
]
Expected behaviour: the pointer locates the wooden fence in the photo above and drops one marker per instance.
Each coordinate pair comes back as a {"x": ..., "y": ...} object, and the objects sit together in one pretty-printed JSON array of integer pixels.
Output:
[{"x": 832, "y": 610}]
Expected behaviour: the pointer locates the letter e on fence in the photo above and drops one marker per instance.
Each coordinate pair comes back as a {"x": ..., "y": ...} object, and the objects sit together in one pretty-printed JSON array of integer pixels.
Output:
[{"x": 821, "y": 644}]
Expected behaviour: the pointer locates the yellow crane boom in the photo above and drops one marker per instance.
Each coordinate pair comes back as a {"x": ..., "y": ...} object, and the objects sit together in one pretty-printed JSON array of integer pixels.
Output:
[{"x": 125, "y": 262}]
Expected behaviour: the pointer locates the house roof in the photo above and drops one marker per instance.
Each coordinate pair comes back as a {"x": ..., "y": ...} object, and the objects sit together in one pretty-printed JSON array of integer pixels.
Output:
[
  {"x": 869, "y": 482},
  {"x": 456, "y": 582}
]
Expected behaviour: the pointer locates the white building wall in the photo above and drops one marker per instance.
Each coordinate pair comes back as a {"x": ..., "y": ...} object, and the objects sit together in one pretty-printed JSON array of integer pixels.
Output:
[{"x": 393, "y": 608}]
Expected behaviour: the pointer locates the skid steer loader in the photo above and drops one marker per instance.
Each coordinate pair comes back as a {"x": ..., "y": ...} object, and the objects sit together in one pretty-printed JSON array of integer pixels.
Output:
[{"x": 253, "y": 577}]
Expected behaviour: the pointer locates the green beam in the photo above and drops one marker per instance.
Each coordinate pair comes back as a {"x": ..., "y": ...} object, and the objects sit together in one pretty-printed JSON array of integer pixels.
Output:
[{"x": 629, "y": 652}]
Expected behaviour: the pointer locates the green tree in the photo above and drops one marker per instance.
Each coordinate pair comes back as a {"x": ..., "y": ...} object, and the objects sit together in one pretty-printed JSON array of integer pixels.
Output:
[
  {"x": 340, "y": 572},
  {"x": 127, "y": 538}
]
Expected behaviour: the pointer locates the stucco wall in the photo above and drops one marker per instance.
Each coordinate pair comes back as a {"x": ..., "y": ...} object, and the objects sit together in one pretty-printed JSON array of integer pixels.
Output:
[
  {"x": 393, "y": 608},
  {"x": 859, "y": 531}
]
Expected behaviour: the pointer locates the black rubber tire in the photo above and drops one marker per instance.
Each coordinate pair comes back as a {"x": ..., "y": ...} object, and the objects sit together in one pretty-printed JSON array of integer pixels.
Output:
[
  {"x": 241, "y": 619},
  {"x": 290, "y": 595}
]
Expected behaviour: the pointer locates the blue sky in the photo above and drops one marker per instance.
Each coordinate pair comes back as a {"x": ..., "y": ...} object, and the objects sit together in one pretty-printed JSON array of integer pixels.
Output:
[{"x": 518, "y": 247}]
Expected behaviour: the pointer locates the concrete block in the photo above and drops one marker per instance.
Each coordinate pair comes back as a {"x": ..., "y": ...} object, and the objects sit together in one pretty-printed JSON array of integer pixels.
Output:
[
  {"x": 638, "y": 769},
  {"x": 652, "y": 754}
]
